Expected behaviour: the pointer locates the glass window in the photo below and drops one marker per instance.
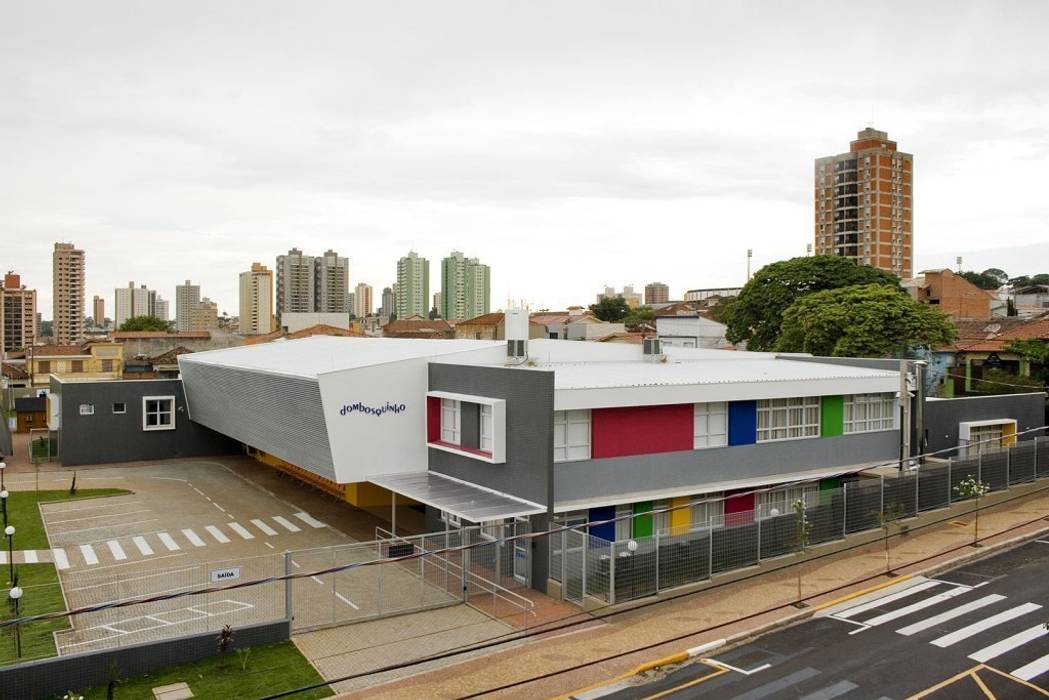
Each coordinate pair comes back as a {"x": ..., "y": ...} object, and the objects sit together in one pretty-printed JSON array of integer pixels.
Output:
[
  {"x": 450, "y": 429},
  {"x": 661, "y": 521},
  {"x": 707, "y": 511},
  {"x": 788, "y": 419},
  {"x": 119, "y": 407},
  {"x": 624, "y": 521},
  {"x": 486, "y": 428},
  {"x": 771, "y": 504},
  {"x": 77, "y": 366},
  {"x": 867, "y": 412},
  {"x": 710, "y": 425},
  {"x": 984, "y": 439},
  {"x": 158, "y": 413},
  {"x": 87, "y": 409},
  {"x": 571, "y": 435}
]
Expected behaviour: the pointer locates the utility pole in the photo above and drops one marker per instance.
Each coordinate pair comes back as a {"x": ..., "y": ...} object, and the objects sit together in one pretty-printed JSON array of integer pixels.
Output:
[{"x": 750, "y": 254}]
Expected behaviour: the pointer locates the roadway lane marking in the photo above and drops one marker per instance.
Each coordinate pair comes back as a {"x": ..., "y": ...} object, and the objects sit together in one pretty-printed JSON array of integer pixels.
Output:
[
  {"x": 1009, "y": 643},
  {"x": 218, "y": 506},
  {"x": 878, "y": 602},
  {"x": 29, "y": 557},
  {"x": 284, "y": 522},
  {"x": 3, "y": 558},
  {"x": 61, "y": 560},
  {"x": 309, "y": 520},
  {"x": 193, "y": 538},
  {"x": 730, "y": 667},
  {"x": 117, "y": 550},
  {"x": 776, "y": 686},
  {"x": 914, "y": 607},
  {"x": 89, "y": 554},
  {"x": 217, "y": 534},
  {"x": 346, "y": 600},
  {"x": 168, "y": 541},
  {"x": 977, "y": 627},
  {"x": 950, "y": 614},
  {"x": 317, "y": 580},
  {"x": 269, "y": 545},
  {"x": 142, "y": 545},
  {"x": 241, "y": 530},
  {"x": 263, "y": 526},
  {"x": 1033, "y": 669},
  {"x": 831, "y": 691}
]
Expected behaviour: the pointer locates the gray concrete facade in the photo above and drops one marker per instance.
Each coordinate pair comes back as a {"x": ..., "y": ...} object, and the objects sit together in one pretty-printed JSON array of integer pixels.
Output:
[
  {"x": 942, "y": 416},
  {"x": 110, "y": 436}
]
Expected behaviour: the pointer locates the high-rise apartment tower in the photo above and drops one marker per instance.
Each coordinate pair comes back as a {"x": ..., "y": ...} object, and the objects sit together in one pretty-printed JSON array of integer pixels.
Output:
[
  {"x": 465, "y": 287},
  {"x": 256, "y": 300},
  {"x": 657, "y": 293},
  {"x": 187, "y": 296},
  {"x": 413, "y": 286},
  {"x": 17, "y": 314},
  {"x": 67, "y": 287}
]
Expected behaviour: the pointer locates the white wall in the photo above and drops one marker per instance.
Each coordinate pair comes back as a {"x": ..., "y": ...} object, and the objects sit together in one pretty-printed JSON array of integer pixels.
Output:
[
  {"x": 298, "y": 320},
  {"x": 707, "y": 333}
]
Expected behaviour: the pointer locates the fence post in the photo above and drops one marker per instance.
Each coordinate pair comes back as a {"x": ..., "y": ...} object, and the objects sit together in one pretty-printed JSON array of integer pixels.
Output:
[
  {"x": 949, "y": 460},
  {"x": 287, "y": 589},
  {"x": 465, "y": 561},
  {"x": 612, "y": 573},
  {"x": 979, "y": 467},
  {"x": 917, "y": 483},
  {"x": 845, "y": 509},
  {"x": 710, "y": 549},
  {"x": 586, "y": 555},
  {"x": 564, "y": 583},
  {"x": 1008, "y": 461},
  {"x": 657, "y": 560},
  {"x": 881, "y": 497},
  {"x": 758, "y": 519}
]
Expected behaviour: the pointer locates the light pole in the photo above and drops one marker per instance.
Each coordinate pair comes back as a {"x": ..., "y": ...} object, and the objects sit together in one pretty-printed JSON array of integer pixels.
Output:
[
  {"x": 16, "y": 594},
  {"x": 9, "y": 530},
  {"x": 3, "y": 504},
  {"x": 3, "y": 468}
]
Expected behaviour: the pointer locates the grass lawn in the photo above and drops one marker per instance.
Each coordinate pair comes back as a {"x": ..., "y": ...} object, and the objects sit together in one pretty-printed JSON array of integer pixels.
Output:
[
  {"x": 269, "y": 669},
  {"x": 41, "y": 594},
  {"x": 22, "y": 512}
]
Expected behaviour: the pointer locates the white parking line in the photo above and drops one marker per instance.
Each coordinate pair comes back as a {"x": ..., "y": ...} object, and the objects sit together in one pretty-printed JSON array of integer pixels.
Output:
[
  {"x": 142, "y": 545},
  {"x": 309, "y": 520},
  {"x": 95, "y": 517},
  {"x": 29, "y": 557},
  {"x": 346, "y": 600},
  {"x": 1033, "y": 669},
  {"x": 977, "y": 627},
  {"x": 263, "y": 526},
  {"x": 103, "y": 527},
  {"x": 117, "y": 550},
  {"x": 3, "y": 558},
  {"x": 1009, "y": 643},
  {"x": 168, "y": 541},
  {"x": 61, "y": 560},
  {"x": 317, "y": 580},
  {"x": 217, "y": 534},
  {"x": 269, "y": 545},
  {"x": 241, "y": 530},
  {"x": 289, "y": 526},
  {"x": 950, "y": 614},
  {"x": 89, "y": 554},
  {"x": 61, "y": 511},
  {"x": 193, "y": 538}
]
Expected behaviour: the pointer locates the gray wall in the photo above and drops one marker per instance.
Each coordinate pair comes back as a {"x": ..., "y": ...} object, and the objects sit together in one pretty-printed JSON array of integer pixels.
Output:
[
  {"x": 51, "y": 678},
  {"x": 529, "y": 397},
  {"x": 615, "y": 476},
  {"x": 866, "y": 363},
  {"x": 942, "y": 416},
  {"x": 109, "y": 437}
]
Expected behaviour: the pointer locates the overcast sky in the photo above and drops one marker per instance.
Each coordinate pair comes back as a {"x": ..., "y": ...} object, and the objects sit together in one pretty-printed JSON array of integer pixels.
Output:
[{"x": 567, "y": 144}]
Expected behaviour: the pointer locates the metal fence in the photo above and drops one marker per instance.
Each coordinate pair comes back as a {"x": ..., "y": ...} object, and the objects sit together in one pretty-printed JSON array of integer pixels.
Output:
[{"x": 592, "y": 567}]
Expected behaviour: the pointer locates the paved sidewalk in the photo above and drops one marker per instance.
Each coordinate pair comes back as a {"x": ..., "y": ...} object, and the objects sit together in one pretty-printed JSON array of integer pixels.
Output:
[{"x": 736, "y": 608}]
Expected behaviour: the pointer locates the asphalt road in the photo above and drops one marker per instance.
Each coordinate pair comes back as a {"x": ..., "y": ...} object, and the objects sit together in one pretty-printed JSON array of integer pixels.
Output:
[{"x": 974, "y": 632}]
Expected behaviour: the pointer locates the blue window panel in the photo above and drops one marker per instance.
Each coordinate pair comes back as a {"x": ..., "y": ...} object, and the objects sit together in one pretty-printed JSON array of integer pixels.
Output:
[
  {"x": 742, "y": 422},
  {"x": 607, "y": 531}
]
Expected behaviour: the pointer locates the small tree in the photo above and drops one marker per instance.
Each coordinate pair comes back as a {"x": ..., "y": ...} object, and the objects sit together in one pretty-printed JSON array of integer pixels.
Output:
[
  {"x": 970, "y": 487},
  {"x": 144, "y": 323},
  {"x": 225, "y": 639},
  {"x": 802, "y": 532},
  {"x": 72, "y": 486},
  {"x": 611, "y": 309},
  {"x": 890, "y": 515}
]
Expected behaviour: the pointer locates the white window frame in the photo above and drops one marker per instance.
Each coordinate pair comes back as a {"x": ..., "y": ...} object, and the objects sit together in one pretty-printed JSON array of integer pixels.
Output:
[
  {"x": 146, "y": 413},
  {"x": 564, "y": 449},
  {"x": 702, "y": 415},
  {"x": 796, "y": 418},
  {"x": 87, "y": 409},
  {"x": 486, "y": 434},
  {"x": 980, "y": 437},
  {"x": 706, "y": 511},
  {"x": 624, "y": 522},
  {"x": 451, "y": 520},
  {"x": 451, "y": 421},
  {"x": 869, "y": 413},
  {"x": 783, "y": 500},
  {"x": 493, "y": 453},
  {"x": 123, "y": 409}
]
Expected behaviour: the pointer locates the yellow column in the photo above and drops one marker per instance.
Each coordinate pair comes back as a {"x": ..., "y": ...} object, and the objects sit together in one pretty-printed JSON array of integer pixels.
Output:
[{"x": 680, "y": 518}]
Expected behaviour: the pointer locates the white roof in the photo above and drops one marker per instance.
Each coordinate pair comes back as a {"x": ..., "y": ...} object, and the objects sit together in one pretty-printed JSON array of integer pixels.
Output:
[{"x": 320, "y": 354}]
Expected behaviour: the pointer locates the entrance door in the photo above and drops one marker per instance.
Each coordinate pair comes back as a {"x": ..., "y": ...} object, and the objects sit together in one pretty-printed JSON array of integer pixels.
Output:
[{"x": 522, "y": 551}]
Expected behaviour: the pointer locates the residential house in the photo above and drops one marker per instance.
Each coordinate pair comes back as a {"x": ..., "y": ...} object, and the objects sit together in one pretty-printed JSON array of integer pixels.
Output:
[
  {"x": 87, "y": 362},
  {"x": 952, "y": 294},
  {"x": 30, "y": 413},
  {"x": 418, "y": 327},
  {"x": 493, "y": 327}
]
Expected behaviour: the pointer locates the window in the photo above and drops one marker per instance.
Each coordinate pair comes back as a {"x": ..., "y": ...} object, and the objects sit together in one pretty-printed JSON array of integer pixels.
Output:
[
  {"x": 120, "y": 407},
  {"x": 571, "y": 435},
  {"x": 78, "y": 366},
  {"x": 486, "y": 428},
  {"x": 107, "y": 365},
  {"x": 158, "y": 412},
  {"x": 867, "y": 412},
  {"x": 450, "y": 428},
  {"x": 710, "y": 425},
  {"x": 707, "y": 511},
  {"x": 661, "y": 521},
  {"x": 87, "y": 409},
  {"x": 984, "y": 439},
  {"x": 788, "y": 419},
  {"x": 624, "y": 521},
  {"x": 44, "y": 367},
  {"x": 781, "y": 501}
]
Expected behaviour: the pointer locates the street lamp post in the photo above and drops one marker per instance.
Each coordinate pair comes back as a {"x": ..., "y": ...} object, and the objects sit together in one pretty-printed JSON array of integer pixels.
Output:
[
  {"x": 16, "y": 595},
  {"x": 3, "y": 468},
  {"x": 3, "y": 504},
  {"x": 10, "y": 532}
]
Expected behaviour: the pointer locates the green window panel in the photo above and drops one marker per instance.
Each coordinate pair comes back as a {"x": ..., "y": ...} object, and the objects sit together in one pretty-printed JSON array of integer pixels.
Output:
[
  {"x": 832, "y": 416},
  {"x": 643, "y": 523}
]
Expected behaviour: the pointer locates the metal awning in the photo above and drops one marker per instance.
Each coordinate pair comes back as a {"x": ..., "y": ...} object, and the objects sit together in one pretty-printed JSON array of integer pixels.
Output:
[{"x": 461, "y": 499}]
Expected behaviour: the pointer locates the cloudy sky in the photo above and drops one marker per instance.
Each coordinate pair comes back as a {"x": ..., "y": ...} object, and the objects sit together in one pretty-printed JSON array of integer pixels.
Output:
[{"x": 568, "y": 144}]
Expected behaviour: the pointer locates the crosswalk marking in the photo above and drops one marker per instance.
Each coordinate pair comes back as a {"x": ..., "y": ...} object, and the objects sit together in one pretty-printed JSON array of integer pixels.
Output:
[
  {"x": 1033, "y": 669},
  {"x": 263, "y": 526},
  {"x": 877, "y": 603},
  {"x": 29, "y": 556},
  {"x": 168, "y": 541},
  {"x": 89, "y": 554},
  {"x": 117, "y": 550},
  {"x": 217, "y": 534},
  {"x": 142, "y": 545},
  {"x": 774, "y": 687},
  {"x": 3, "y": 558},
  {"x": 309, "y": 520},
  {"x": 992, "y": 621},
  {"x": 914, "y": 607},
  {"x": 193, "y": 538},
  {"x": 950, "y": 614},
  {"x": 831, "y": 691},
  {"x": 241, "y": 530},
  {"x": 289, "y": 526},
  {"x": 1009, "y": 643},
  {"x": 61, "y": 560}
]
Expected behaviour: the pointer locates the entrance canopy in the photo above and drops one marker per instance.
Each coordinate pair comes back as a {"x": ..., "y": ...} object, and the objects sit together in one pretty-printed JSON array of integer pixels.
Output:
[{"x": 461, "y": 499}]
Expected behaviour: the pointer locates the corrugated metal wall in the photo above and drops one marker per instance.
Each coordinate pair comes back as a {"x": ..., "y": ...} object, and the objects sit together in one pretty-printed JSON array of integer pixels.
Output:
[{"x": 277, "y": 414}]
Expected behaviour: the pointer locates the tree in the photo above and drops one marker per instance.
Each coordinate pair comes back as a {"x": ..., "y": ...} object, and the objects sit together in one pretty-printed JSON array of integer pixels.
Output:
[
  {"x": 1042, "y": 278},
  {"x": 970, "y": 487},
  {"x": 144, "y": 323},
  {"x": 611, "y": 309},
  {"x": 869, "y": 320},
  {"x": 1021, "y": 281},
  {"x": 758, "y": 310},
  {"x": 997, "y": 275},
  {"x": 640, "y": 319},
  {"x": 982, "y": 279},
  {"x": 802, "y": 532},
  {"x": 722, "y": 310}
]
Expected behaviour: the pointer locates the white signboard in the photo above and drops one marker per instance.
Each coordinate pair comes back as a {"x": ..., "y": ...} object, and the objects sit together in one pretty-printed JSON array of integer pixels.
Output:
[{"x": 222, "y": 575}]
